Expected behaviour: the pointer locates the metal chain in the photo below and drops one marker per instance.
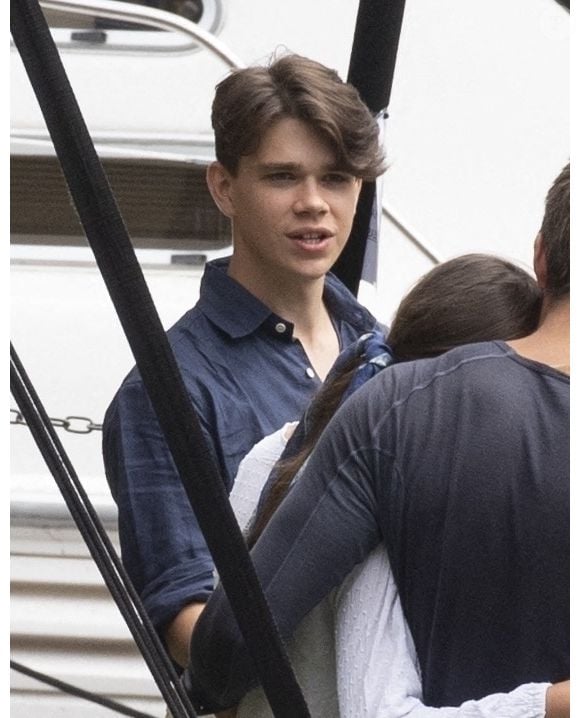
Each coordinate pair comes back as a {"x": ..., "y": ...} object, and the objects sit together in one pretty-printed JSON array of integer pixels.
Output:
[{"x": 72, "y": 424}]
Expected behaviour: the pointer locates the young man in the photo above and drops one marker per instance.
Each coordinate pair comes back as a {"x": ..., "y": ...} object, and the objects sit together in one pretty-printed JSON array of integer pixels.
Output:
[
  {"x": 460, "y": 465},
  {"x": 293, "y": 144}
]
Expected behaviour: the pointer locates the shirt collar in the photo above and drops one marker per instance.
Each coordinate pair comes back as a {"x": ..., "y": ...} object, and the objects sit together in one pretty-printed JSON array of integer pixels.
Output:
[
  {"x": 227, "y": 304},
  {"x": 237, "y": 312},
  {"x": 344, "y": 306}
]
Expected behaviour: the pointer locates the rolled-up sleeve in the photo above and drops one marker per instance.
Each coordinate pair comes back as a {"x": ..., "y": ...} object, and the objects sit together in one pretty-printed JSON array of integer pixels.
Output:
[{"x": 162, "y": 546}]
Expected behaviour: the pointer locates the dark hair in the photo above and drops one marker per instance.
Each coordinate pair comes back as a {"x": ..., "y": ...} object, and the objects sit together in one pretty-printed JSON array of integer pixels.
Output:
[
  {"x": 472, "y": 298},
  {"x": 250, "y": 100},
  {"x": 555, "y": 233}
]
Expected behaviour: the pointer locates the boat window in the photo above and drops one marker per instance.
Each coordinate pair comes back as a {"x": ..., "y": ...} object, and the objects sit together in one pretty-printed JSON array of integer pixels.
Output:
[
  {"x": 77, "y": 30},
  {"x": 165, "y": 205},
  {"x": 190, "y": 9},
  {"x": 193, "y": 10}
]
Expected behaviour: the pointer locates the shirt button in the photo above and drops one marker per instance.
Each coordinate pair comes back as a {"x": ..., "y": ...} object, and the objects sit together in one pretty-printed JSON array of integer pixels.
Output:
[
  {"x": 310, "y": 372},
  {"x": 280, "y": 328}
]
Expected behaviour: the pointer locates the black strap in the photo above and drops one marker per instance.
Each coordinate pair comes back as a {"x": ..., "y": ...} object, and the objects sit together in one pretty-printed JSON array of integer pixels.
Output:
[
  {"x": 97, "y": 540},
  {"x": 371, "y": 71},
  {"x": 116, "y": 259}
]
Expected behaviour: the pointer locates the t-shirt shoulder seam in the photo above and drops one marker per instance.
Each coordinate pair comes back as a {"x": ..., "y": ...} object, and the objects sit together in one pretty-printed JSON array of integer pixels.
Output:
[{"x": 435, "y": 377}]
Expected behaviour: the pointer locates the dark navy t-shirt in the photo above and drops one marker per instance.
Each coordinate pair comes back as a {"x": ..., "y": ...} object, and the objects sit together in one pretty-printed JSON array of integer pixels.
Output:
[
  {"x": 476, "y": 521},
  {"x": 460, "y": 465}
]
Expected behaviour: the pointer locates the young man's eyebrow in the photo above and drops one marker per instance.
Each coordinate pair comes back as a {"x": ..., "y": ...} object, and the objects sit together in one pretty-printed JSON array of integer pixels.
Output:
[
  {"x": 292, "y": 167},
  {"x": 278, "y": 166}
]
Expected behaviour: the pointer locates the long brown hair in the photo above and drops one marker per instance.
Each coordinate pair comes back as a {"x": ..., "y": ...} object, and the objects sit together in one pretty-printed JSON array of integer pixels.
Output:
[{"x": 472, "y": 298}]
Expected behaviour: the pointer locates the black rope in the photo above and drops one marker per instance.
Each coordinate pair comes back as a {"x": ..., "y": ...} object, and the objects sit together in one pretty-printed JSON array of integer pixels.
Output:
[
  {"x": 78, "y": 692},
  {"x": 371, "y": 71},
  {"x": 116, "y": 259},
  {"x": 97, "y": 540}
]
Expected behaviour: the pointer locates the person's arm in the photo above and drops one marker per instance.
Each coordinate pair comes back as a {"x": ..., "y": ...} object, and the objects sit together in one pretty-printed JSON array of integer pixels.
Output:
[
  {"x": 162, "y": 547},
  {"x": 558, "y": 700},
  {"x": 376, "y": 664},
  {"x": 252, "y": 474},
  {"x": 178, "y": 632},
  {"x": 249, "y": 482},
  {"x": 220, "y": 670}
]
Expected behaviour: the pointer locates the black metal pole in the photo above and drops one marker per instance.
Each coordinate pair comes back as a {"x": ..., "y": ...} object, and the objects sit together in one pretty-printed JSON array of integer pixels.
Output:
[
  {"x": 122, "y": 274},
  {"x": 565, "y": 4},
  {"x": 371, "y": 71},
  {"x": 97, "y": 540}
]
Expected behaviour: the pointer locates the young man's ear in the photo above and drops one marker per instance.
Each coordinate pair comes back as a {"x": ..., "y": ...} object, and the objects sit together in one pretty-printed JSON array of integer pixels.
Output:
[
  {"x": 219, "y": 184},
  {"x": 540, "y": 263}
]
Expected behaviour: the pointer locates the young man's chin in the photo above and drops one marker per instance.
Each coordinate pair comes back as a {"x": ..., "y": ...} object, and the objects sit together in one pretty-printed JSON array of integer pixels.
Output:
[
  {"x": 316, "y": 266},
  {"x": 313, "y": 272}
]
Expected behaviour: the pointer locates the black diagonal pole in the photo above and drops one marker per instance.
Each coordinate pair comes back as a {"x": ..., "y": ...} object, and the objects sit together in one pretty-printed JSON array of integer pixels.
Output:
[
  {"x": 111, "y": 245},
  {"x": 371, "y": 71},
  {"x": 565, "y": 4},
  {"x": 97, "y": 541}
]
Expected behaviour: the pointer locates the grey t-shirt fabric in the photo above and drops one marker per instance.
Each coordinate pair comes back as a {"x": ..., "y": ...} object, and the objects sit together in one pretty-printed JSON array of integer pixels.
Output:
[{"x": 460, "y": 465}]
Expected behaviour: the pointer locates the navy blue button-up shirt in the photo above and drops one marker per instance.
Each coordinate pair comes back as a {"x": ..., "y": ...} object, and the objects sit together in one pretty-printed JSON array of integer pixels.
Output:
[{"x": 246, "y": 376}]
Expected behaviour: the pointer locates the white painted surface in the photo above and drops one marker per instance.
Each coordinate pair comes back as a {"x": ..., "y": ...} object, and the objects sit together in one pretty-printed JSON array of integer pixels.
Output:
[
  {"x": 63, "y": 623},
  {"x": 63, "y": 620}
]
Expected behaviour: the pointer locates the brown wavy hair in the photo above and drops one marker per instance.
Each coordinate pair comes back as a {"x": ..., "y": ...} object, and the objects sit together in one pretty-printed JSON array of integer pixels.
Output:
[
  {"x": 472, "y": 298},
  {"x": 251, "y": 100}
]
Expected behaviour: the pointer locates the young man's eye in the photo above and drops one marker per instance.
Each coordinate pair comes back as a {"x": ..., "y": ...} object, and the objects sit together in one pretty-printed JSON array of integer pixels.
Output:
[
  {"x": 338, "y": 178},
  {"x": 280, "y": 176}
]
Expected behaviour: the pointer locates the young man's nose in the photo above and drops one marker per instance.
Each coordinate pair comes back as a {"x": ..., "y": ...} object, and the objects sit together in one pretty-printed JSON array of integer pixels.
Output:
[{"x": 310, "y": 198}]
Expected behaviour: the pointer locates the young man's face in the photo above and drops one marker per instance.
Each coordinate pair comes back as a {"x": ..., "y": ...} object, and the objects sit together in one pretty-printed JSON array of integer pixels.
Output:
[{"x": 291, "y": 207}]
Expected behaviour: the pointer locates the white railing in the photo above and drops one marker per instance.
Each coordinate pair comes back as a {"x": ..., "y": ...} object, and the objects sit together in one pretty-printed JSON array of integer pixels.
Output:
[
  {"x": 152, "y": 17},
  {"x": 411, "y": 234}
]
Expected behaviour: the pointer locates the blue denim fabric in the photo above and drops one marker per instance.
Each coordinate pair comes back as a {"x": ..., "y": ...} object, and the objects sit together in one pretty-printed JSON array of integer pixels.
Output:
[
  {"x": 246, "y": 377},
  {"x": 460, "y": 465}
]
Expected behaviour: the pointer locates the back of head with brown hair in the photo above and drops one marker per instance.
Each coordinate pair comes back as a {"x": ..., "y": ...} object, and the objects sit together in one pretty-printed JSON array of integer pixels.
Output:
[
  {"x": 472, "y": 298},
  {"x": 250, "y": 100},
  {"x": 555, "y": 233}
]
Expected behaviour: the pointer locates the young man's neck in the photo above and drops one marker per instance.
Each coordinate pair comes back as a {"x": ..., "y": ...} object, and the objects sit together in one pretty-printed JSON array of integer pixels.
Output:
[
  {"x": 300, "y": 301},
  {"x": 550, "y": 343}
]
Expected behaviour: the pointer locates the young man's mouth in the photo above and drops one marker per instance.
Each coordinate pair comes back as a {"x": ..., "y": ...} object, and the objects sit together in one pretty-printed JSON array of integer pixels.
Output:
[{"x": 310, "y": 238}]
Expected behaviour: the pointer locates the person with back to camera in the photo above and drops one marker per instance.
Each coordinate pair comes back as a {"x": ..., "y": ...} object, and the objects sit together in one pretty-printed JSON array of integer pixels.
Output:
[
  {"x": 293, "y": 144},
  {"x": 459, "y": 464},
  {"x": 353, "y": 654}
]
